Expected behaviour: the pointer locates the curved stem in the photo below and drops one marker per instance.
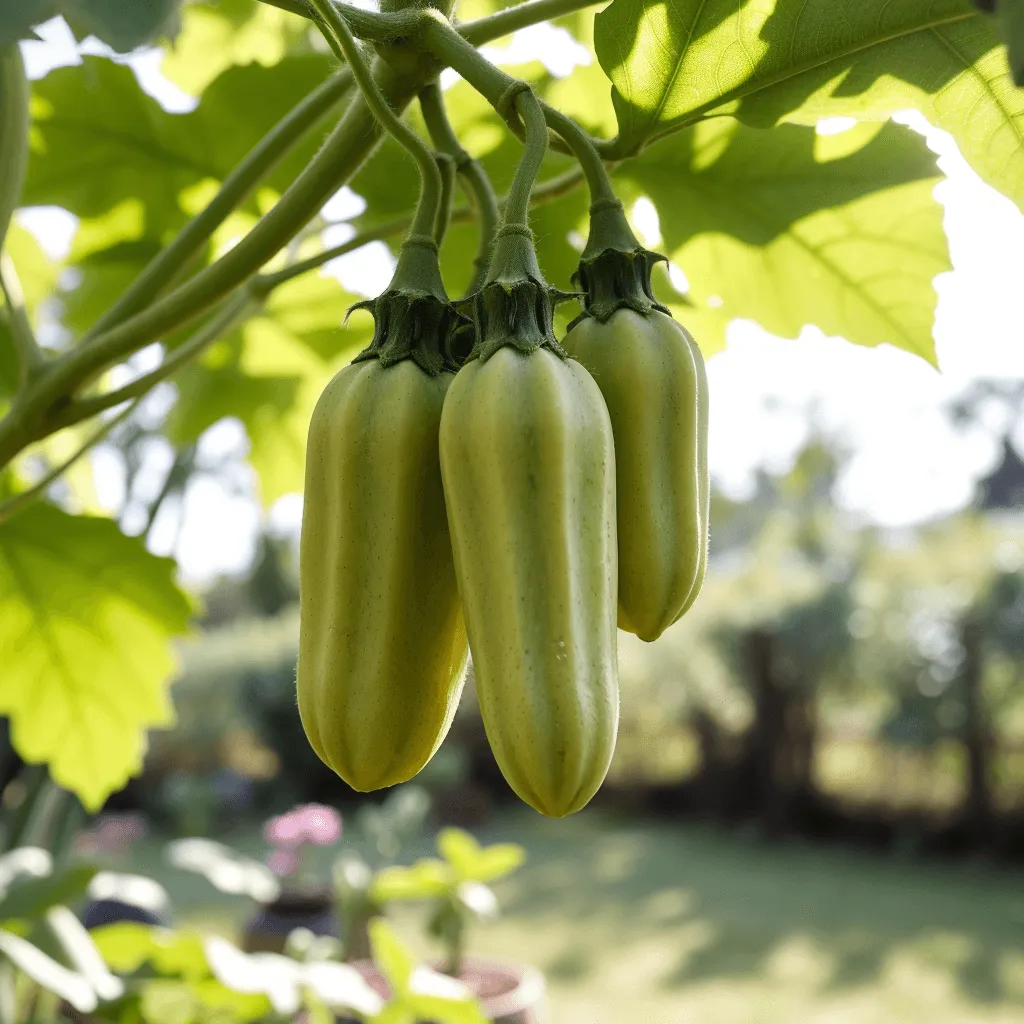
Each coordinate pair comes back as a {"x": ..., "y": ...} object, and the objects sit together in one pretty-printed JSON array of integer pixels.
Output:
[
  {"x": 545, "y": 192},
  {"x": 517, "y": 207},
  {"x": 235, "y": 187},
  {"x": 430, "y": 175},
  {"x": 582, "y": 145},
  {"x": 474, "y": 178},
  {"x": 38, "y": 489},
  {"x": 444, "y": 208}
]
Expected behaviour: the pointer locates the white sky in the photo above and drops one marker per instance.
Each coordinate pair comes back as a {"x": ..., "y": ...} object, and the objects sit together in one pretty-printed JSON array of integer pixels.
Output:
[{"x": 907, "y": 462}]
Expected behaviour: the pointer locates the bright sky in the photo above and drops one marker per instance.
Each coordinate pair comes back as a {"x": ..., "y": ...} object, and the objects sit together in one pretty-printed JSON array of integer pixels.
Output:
[{"x": 907, "y": 463}]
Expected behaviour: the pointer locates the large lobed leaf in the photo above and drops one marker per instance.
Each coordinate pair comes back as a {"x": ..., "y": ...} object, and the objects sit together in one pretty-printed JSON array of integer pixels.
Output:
[
  {"x": 85, "y": 618},
  {"x": 674, "y": 63},
  {"x": 788, "y": 228}
]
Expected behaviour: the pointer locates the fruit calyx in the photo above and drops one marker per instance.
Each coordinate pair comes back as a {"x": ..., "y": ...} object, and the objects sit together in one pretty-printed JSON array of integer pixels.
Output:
[
  {"x": 615, "y": 269},
  {"x": 414, "y": 318},
  {"x": 515, "y": 306}
]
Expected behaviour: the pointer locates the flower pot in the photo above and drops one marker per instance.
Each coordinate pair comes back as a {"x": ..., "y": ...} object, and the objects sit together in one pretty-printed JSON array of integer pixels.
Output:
[
  {"x": 270, "y": 927},
  {"x": 510, "y": 993}
]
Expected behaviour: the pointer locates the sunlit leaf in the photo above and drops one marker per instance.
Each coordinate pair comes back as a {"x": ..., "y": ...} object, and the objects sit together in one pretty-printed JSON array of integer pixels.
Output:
[
  {"x": 85, "y": 618},
  {"x": 390, "y": 955},
  {"x": 788, "y": 228},
  {"x": 424, "y": 880},
  {"x": 804, "y": 60},
  {"x": 214, "y": 36}
]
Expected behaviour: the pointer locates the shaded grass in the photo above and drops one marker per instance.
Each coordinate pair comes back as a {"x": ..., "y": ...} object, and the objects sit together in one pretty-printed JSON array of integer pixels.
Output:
[{"x": 660, "y": 924}]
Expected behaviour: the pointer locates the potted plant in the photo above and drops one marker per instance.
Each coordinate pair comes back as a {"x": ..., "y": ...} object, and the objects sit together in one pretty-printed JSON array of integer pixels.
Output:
[
  {"x": 303, "y": 901},
  {"x": 456, "y": 887}
]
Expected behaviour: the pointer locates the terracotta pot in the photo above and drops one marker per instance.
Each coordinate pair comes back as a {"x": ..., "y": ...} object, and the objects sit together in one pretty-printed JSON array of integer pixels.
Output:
[
  {"x": 269, "y": 929},
  {"x": 510, "y": 993}
]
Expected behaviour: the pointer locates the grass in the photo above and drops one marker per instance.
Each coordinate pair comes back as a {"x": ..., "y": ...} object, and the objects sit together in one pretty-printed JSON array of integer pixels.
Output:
[{"x": 657, "y": 924}]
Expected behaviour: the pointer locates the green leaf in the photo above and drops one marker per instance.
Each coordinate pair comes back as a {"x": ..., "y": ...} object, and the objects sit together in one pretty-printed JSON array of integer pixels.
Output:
[
  {"x": 85, "y": 618},
  {"x": 1011, "y": 24},
  {"x": 121, "y": 24},
  {"x": 390, "y": 955},
  {"x": 788, "y": 228},
  {"x": 424, "y": 880},
  {"x": 799, "y": 61},
  {"x": 167, "y": 1002},
  {"x": 98, "y": 140},
  {"x": 472, "y": 862},
  {"x": 32, "y": 897},
  {"x": 212, "y": 37},
  {"x": 125, "y": 946},
  {"x": 460, "y": 849},
  {"x": 440, "y": 1010}
]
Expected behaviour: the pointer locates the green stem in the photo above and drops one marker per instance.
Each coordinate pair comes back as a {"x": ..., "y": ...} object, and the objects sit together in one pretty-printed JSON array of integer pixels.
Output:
[
  {"x": 585, "y": 151},
  {"x": 235, "y": 187},
  {"x": 235, "y": 309},
  {"x": 367, "y": 24},
  {"x": 26, "y": 349},
  {"x": 431, "y": 185},
  {"x": 547, "y": 191},
  {"x": 474, "y": 178},
  {"x": 494, "y": 26},
  {"x": 14, "y": 505},
  {"x": 445, "y": 207},
  {"x": 517, "y": 207}
]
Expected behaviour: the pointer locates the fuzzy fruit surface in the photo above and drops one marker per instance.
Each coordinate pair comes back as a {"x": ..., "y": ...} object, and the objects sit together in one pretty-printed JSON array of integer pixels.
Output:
[
  {"x": 652, "y": 376},
  {"x": 529, "y": 477},
  {"x": 382, "y": 645}
]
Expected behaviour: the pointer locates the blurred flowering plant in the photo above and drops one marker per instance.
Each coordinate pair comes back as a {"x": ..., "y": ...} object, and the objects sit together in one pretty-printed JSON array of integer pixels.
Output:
[{"x": 292, "y": 835}]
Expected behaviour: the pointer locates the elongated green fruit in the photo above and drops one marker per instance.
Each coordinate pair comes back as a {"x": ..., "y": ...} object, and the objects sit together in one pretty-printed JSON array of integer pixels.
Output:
[
  {"x": 14, "y": 122},
  {"x": 529, "y": 478},
  {"x": 382, "y": 645},
  {"x": 652, "y": 376}
]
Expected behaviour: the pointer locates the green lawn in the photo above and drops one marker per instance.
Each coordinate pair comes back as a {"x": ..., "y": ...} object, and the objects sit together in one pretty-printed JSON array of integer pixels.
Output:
[{"x": 651, "y": 924}]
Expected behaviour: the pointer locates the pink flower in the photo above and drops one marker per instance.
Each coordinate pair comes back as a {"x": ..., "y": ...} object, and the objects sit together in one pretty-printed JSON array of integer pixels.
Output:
[
  {"x": 283, "y": 862},
  {"x": 285, "y": 830},
  {"x": 321, "y": 825}
]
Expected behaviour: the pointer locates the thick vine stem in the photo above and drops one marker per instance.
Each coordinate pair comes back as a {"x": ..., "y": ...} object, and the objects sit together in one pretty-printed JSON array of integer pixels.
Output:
[
  {"x": 236, "y": 186},
  {"x": 474, "y": 178},
  {"x": 236, "y": 309}
]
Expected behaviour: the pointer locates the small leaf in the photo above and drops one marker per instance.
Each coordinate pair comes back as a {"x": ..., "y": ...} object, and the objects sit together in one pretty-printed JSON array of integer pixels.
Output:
[
  {"x": 497, "y": 861},
  {"x": 460, "y": 849},
  {"x": 424, "y": 880},
  {"x": 167, "y": 1002},
  {"x": 390, "y": 955},
  {"x": 125, "y": 946}
]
